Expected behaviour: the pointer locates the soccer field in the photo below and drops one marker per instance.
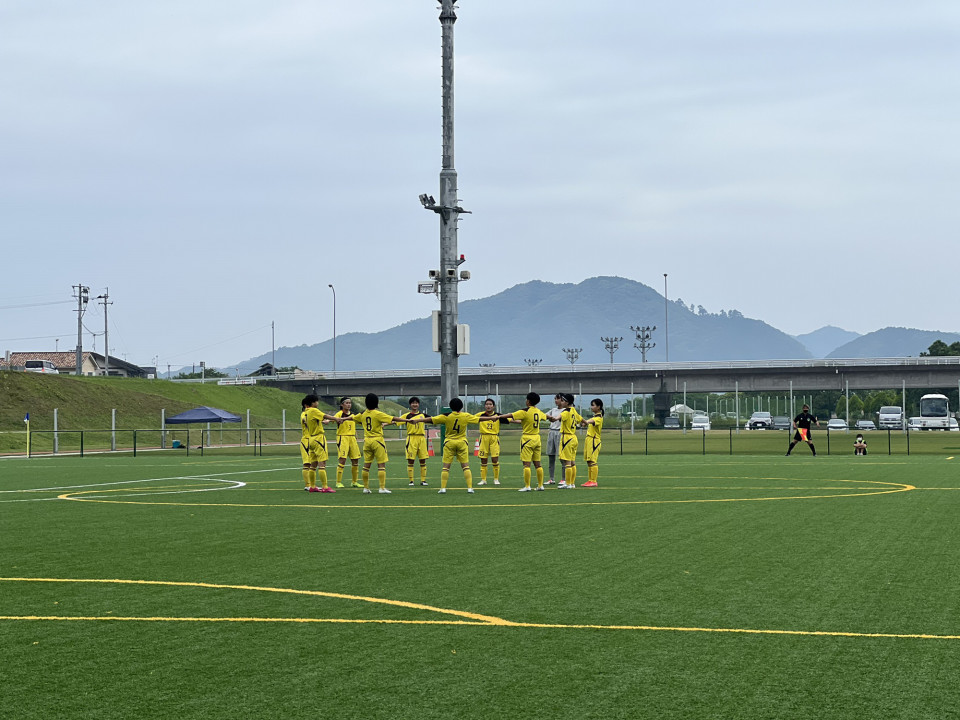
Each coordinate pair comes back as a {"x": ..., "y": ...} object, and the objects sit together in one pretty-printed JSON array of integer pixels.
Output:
[{"x": 683, "y": 587}]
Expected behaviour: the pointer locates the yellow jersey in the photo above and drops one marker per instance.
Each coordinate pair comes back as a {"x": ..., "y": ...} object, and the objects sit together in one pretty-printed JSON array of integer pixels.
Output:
[
  {"x": 569, "y": 420},
  {"x": 489, "y": 425},
  {"x": 456, "y": 424},
  {"x": 414, "y": 429},
  {"x": 594, "y": 428},
  {"x": 311, "y": 423},
  {"x": 347, "y": 427},
  {"x": 372, "y": 422},
  {"x": 531, "y": 419}
]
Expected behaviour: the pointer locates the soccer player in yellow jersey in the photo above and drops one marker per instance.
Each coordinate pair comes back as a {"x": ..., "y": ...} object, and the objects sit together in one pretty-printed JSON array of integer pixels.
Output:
[
  {"x": 372, "y": 421},
  {"x": 591, "y": 446},
  {"x": 490, "y": 441},
  {"x": 570, "y": 420},
  {"x": 416, "y": 446},
  {"x": 313, "y": 445},
  {"x": 347, "y": 446},
  {"x": 531, "y": 419},
  {"x": 455, "y": 444}
]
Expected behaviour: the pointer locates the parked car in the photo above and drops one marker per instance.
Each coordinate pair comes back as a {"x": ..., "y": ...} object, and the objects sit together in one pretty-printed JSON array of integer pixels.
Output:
[
  {"x": 781, "y": 422},
  {"x": 40, "y": 366},
  {"x": 700, "y": 422},
  {"x": 837, "y": 425},
  {"x": 760, "y": 421},
  {"x": 954, "y": 425},
  {"x": 865, "y": 425},
  {"x": 914, "y": 423},
  {"x": 671, "y": 423}
]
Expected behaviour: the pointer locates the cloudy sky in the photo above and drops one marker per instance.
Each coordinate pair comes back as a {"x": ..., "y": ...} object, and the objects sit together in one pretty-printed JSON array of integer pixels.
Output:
[{"x": 217, "y": 164}]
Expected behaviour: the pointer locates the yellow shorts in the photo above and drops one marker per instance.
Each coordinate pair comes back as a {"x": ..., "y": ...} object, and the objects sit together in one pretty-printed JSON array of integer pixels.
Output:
[
  {"x": 591, "y": 449},
  {"x": 568, "y": 446},
  {"x": 530, "y": 448},
  {"x": 417, "y": 447},
  {"x": 489, "y": 446},
  {"x": 455, "y": 450},
  {"x": 313, "y": 450},
  {"x": 347, "y": 447},
  {"x": 374, "y": 451}
]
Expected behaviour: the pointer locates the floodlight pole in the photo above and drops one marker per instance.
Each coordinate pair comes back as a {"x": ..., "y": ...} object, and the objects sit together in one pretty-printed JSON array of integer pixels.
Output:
[{"x": 449, "y": 211}]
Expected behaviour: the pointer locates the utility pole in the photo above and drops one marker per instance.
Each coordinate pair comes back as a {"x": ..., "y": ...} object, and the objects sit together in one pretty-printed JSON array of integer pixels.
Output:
[
  {"x": 83, "y": 297},
  {"x": 666, "y": 318},
  {"x": 573, "y": 354},
  {"x": 612, "y": 344},
  {"x": 106, "y": 345},
  {"x": 643, "y": 339},
  {"x": 449, "y": 211}
]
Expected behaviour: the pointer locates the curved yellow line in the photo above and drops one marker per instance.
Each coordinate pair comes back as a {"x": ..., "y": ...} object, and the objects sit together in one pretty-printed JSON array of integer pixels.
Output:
[{"x": 289, "y": 591}]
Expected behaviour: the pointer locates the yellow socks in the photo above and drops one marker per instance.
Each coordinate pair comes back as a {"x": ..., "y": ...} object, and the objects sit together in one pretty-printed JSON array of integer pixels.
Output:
[
  {"x": 382, "y": 478},
  {"x": 356, "y": 472},
  {"x": 444, "y": 476},
  {"x": 366, "y": 479},
  {"x": 526, "y": 476},
  {"x": 483, "y": 473},
  {"x": 423, "y": 473},
  {"x": 568, "y": 474},
  {"x": 309, "y": 477},
  {"x": 540, "y": 476},
  {"x": 410, "y": 473},
  {"x": 339, "y": 474},
  {"x": 323, "y": 477},
  {"x": 593, "y": 472},
  {"x": 496, "y": 472},
  {"x": 468, "y": 476}
]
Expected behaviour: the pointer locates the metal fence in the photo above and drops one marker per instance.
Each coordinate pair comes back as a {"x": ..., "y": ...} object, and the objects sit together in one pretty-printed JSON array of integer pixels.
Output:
[{"x": 619, "y": 441}]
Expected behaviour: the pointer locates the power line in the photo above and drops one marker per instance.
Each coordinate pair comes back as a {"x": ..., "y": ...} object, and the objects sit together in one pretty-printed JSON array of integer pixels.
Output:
[{"x": 30, "y": 305}]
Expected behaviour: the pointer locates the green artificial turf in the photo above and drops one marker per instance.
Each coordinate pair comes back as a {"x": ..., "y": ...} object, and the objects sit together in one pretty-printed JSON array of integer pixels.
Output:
[{"x": 685, "y": 586}]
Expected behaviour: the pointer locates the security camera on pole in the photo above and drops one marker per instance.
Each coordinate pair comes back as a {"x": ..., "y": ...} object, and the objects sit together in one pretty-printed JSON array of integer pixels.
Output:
[{"x": 450, "y": 339}]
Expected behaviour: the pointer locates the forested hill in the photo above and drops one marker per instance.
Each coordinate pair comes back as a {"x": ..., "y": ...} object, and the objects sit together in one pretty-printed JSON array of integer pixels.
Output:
[{"x": 538, "y": 319}]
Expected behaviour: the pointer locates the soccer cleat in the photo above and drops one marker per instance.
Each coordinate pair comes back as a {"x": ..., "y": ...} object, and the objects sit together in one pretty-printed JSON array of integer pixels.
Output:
[
  {"x": 549, "y": 482},
  {"x": 356, "y": 484},
  {"x": 384, "y": 491},
  {"x": 327, "y": 490},
  {"x": 441, "y": 491},
  {"x": 313, "y": 489},
  {"x": 366, "y": 491},
  {"x": 307, "y": 489},
  {"x": 561, "y": 486},
  {"x": 424, "y": 483},
  {"x": 410, "y": 484},
  {"x": 590, "y": 483},
  {"x": 340, "y": 485},
  {"x": 540, "y": 487},
  {"x": 470, "y": 490},
  {"x": 496, "y": 482},
  {"x": 525, "y": 489},
  {"x": 572, "y": 486},
  {"x": 482, "y": 482}
]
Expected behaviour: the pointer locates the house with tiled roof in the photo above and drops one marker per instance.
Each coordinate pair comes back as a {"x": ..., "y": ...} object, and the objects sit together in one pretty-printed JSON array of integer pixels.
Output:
[{"x": 66, "y": 363}]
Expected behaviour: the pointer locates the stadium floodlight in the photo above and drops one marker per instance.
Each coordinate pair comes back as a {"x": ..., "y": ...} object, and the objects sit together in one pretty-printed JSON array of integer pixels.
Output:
[
  {"x": 533, "y": 362},
  {"x": 573, "y": 354}
]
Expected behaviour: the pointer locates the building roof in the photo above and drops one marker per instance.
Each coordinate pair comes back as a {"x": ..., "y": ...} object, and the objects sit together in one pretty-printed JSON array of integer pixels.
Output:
[{"x": 66, "y": 361}]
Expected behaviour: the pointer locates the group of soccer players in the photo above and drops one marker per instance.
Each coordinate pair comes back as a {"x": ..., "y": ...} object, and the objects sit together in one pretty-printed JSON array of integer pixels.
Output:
[{"x": 562, "y": 442}]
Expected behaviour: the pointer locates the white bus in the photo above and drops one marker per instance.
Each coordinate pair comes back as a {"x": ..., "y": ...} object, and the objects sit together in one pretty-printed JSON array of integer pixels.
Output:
[{"x": 934, "y": 413}]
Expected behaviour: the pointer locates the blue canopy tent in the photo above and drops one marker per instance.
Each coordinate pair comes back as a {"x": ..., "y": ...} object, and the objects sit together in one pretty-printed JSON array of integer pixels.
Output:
[{"x": 202, "y": 414}]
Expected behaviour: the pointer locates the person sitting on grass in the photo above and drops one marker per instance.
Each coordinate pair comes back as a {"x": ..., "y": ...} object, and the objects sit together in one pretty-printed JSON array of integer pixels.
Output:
[{"x": 859, "y": 446}]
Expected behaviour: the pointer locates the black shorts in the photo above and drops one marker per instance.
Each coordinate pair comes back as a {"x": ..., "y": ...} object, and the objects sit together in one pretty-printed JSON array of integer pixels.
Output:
[{"x": 798, "y": 438}]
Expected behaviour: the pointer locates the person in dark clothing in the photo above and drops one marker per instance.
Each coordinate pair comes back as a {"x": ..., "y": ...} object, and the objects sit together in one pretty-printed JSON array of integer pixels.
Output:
[{"x": 802, "y": 423}]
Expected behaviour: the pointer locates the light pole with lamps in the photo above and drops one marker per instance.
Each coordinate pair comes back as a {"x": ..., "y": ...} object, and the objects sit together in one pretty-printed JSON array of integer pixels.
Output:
[
  {"x": 329, "y": 285},
  {"x": 573, "y": 354},
  {"x": 666, "y": 319}
]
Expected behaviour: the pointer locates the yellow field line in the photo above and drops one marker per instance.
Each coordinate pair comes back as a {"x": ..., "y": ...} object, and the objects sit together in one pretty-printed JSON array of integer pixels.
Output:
[{"x": 472, "y": 619}]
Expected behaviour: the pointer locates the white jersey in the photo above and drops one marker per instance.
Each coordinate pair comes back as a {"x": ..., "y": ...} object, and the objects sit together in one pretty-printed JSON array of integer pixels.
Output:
[{"x": 554, "y": 417}]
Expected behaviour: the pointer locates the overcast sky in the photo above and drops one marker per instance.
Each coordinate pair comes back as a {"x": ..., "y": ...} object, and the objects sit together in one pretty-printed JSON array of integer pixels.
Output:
[{"x": 217, "y": 164}]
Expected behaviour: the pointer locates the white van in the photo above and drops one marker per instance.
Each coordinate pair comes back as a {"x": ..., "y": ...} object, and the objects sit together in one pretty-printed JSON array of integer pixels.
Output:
[
  {"x": 890, "y": 416},
  {"x": 41, "y": 366}
]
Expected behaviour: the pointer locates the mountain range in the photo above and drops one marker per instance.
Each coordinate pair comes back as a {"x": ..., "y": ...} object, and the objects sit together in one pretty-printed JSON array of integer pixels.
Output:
[{"x": 538, "y": 320}]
